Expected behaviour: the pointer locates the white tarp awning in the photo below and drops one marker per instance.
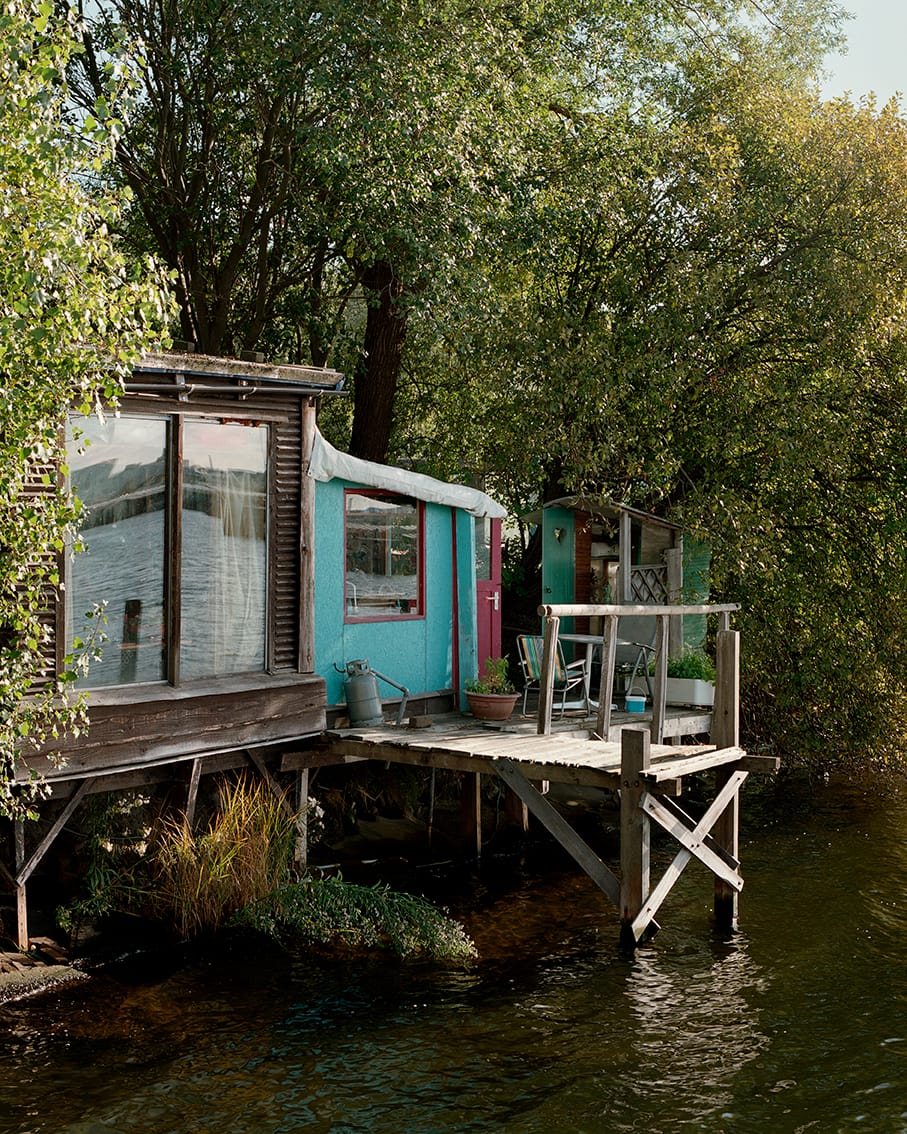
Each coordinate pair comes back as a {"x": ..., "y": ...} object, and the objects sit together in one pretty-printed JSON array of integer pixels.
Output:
[{"x": 328, "y": 463}]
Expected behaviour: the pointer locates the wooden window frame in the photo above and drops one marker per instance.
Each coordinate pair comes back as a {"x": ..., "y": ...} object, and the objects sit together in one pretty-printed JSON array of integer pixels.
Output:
[
  {"x": 174, "y": 414},
  {"x": 419, "y": 615}
]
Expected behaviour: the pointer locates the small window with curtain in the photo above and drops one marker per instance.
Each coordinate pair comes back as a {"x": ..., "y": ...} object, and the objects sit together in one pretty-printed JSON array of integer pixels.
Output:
[{"x": 384, "y": 557}]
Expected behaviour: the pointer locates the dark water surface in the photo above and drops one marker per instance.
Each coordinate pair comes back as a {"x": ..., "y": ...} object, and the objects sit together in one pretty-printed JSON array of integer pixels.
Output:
[{"x": 796, "y": 1023}]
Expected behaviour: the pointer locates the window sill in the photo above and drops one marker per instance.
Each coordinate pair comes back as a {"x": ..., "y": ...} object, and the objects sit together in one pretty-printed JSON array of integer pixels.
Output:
[{"x": 205, "y": 687}]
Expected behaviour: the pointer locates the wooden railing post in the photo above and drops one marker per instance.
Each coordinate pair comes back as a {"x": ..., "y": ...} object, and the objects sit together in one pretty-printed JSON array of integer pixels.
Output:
[
  {"x": 546, "y": 683},
  {"x": 726, "y": 711},
  {"x": 726, "y": 734},
  {"x": 634, "y": 830},
  {"x": 660, "y": 688},
  {"x": 606, "y": 685}
]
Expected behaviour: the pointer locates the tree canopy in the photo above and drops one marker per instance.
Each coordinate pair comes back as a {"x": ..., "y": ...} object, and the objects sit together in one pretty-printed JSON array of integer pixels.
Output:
[
  {"x": 74, "y": 313},
  {"x": 619, "y": 245}
]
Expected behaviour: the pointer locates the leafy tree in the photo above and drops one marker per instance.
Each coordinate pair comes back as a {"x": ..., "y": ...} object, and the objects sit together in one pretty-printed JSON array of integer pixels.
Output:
[
  {"x": 74, "y": 312},
  {"x": 310, "y": 171},
  {"x": 708, "y": 320},
  {"x": 316, "y": 172}
]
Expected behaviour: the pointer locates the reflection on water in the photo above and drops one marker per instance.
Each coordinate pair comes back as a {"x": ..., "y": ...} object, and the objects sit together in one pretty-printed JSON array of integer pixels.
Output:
[{"x": 796, "y": 1023}]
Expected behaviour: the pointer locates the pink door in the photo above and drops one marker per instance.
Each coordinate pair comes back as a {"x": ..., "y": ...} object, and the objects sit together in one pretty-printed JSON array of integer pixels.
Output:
[{"x": 488, "y": 589}]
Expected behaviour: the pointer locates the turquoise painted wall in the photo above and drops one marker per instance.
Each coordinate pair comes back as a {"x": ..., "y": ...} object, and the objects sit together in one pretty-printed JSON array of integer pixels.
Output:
[{"x": 417, "y": 653}]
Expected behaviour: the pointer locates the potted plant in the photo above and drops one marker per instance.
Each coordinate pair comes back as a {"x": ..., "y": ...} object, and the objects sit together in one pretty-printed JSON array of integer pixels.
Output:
[
  {"x": 492, "y": 697},
  {"x": 691, "y": 679}
]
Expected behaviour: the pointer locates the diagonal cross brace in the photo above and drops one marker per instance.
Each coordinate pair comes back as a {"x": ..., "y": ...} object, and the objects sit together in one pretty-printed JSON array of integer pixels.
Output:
[
  {"x": 558, "y": 826},
  {"x": 693, "y": 843}
]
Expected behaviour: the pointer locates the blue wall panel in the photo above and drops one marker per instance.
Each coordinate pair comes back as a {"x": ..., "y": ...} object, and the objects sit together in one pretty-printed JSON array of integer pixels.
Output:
[{"x": 417, "y": 653}]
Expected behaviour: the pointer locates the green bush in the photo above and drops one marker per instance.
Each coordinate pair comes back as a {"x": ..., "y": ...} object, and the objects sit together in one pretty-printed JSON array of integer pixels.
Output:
[
  {"x": 693, "y": 665},
  {"x": 342, "y": 915}
]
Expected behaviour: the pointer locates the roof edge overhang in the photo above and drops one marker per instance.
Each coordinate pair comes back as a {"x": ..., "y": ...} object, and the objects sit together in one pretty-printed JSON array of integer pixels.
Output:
[
  {"x": 311, "y": 380},
  {"x": 603, "y": 507},
  {"x": 328, "y": 463}
]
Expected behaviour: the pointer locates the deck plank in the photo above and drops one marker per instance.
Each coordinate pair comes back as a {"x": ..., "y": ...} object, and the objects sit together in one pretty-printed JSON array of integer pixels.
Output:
[{"x": 561, "y": 756}]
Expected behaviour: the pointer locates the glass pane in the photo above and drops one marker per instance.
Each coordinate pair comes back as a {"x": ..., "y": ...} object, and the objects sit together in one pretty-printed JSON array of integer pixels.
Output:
[
  {"x": 225, "y": 554},
  {"x": 121, "y": 479},
  {"x": 483, "y": 547},
  {"x": 382, "y": 556}
]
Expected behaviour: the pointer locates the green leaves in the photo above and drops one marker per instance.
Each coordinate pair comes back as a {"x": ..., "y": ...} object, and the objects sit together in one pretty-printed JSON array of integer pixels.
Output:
[{"x": 73, "y": 316}]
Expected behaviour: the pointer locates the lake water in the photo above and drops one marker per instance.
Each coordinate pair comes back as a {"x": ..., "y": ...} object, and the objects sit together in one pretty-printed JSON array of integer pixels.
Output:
[{"x": 798, "y": 1022}]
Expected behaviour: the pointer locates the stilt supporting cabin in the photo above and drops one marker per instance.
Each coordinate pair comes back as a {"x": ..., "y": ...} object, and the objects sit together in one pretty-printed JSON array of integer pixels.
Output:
[{"x": 641, "y": 757}]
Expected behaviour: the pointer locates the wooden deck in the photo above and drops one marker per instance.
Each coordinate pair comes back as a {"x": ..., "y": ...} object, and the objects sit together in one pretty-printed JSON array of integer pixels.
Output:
[
  {"x": 567, "y": 755},
  {"x": 647, "y": 777}
]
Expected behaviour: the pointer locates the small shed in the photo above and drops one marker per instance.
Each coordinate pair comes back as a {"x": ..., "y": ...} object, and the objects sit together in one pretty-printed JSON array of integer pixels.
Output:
[
  {"x": 402, "y": 566},
  {"x": 199, "y": 549},
  {"x": 596, "y": 550}
]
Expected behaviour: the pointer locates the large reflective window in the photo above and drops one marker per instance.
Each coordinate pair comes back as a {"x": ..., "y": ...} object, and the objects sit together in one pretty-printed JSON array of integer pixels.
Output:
[
  {"x": 224, "y": 548},
  {"x": 383, "y": 556},
  {"x": 118, "y": 471}
]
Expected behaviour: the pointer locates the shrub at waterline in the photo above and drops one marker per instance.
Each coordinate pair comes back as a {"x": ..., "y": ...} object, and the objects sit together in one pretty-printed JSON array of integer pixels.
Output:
[
  {"x": 337, "y": 914},
  {"x": 240, "y": 870},
  {"x": 245, "y": 853}
]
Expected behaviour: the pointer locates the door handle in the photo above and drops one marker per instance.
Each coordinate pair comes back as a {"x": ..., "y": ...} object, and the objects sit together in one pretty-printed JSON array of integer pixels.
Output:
[{"x": 493, "y": 598}]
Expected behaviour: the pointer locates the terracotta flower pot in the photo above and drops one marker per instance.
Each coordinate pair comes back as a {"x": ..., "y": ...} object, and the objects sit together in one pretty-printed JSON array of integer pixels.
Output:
[{"x": 492, "y": 706}]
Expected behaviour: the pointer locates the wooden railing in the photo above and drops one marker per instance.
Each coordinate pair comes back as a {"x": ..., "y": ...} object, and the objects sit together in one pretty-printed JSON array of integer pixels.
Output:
[{"x": 725, "y": 712}]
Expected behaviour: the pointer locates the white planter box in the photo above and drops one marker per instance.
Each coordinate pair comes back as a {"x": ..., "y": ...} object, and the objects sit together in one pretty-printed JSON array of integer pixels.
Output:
[{"x": 689, "y": 691}]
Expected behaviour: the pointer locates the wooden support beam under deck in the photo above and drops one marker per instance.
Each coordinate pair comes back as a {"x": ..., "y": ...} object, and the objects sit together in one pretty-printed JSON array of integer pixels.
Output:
[
  {"x": 634, "y": 831},
  {"x": 557, "y": 826}
]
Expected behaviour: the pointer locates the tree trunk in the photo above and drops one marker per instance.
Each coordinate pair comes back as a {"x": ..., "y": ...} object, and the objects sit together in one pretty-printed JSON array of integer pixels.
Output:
[{"x": 375, "y": 378}]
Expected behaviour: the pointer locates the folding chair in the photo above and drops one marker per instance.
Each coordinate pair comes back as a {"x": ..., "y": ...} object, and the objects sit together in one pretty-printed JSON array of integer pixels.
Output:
[
  {"x": 633, "y": 660},
  {"x": 566, "y": 677}
]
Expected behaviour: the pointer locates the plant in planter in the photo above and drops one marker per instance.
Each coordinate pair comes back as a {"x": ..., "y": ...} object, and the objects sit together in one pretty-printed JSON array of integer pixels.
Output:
[
  {"x": 691, "y": 679},
  {"x": 492, "y": 697}
]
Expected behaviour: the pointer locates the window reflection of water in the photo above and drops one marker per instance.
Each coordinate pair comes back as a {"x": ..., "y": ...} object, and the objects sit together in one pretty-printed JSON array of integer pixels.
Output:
[{"x": 223, "y": 598}]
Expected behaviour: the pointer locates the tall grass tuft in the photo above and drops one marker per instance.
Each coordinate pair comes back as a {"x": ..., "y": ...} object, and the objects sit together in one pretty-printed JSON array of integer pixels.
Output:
[{"x": 246, "y": 853}]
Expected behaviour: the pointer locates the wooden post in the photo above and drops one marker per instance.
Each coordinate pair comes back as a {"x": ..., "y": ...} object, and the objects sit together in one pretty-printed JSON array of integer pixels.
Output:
[
  {"x": 471, "y": 811},
  {"x": 659, "y": 691},
  {"x": 726, "y": 734},
  {"x": 306, "y": 654},
  {"x": 515, "y": 811},
  {"x": 674, "y": 581},
  {"x": 726, "y": 711},
  {"x": 21, "y": 903},
  {"x": 624, "y": 569},
  {"x": 634, "y": 830},
  {"x": 546, "y": 682},
  {"x": 301, "y": 856},
  {"x": 606, "y": 686},
  {"x": 192, "y": 791}
]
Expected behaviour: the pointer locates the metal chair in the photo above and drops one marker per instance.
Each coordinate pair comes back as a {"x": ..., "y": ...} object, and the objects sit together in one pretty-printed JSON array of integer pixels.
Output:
[
  {"x": 566, "y": 676},
  {"x": 633, "y": 660}
]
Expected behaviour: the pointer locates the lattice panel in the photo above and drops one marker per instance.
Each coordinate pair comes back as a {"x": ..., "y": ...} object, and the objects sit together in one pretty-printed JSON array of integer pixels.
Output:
[{"x": 649, "y": 584}]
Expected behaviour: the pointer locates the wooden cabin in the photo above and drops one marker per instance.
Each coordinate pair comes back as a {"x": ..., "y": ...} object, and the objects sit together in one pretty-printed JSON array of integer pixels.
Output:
[
  {"x": 199, "y": 548},
  {"x": 232, "y": 562},
  {"x": 407, "y": 576},
  {"x": 597, "y": 551}
]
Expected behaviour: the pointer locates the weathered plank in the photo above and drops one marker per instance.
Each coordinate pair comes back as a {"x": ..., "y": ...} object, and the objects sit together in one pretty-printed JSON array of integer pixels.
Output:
[
  {"x": 25, "y": 870},
  {"x": 670, "y": 768},
  {"x": 634, "y": 830},
  {"x": 692, "y": 841},
  {"x": 654, "y": 900}
]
